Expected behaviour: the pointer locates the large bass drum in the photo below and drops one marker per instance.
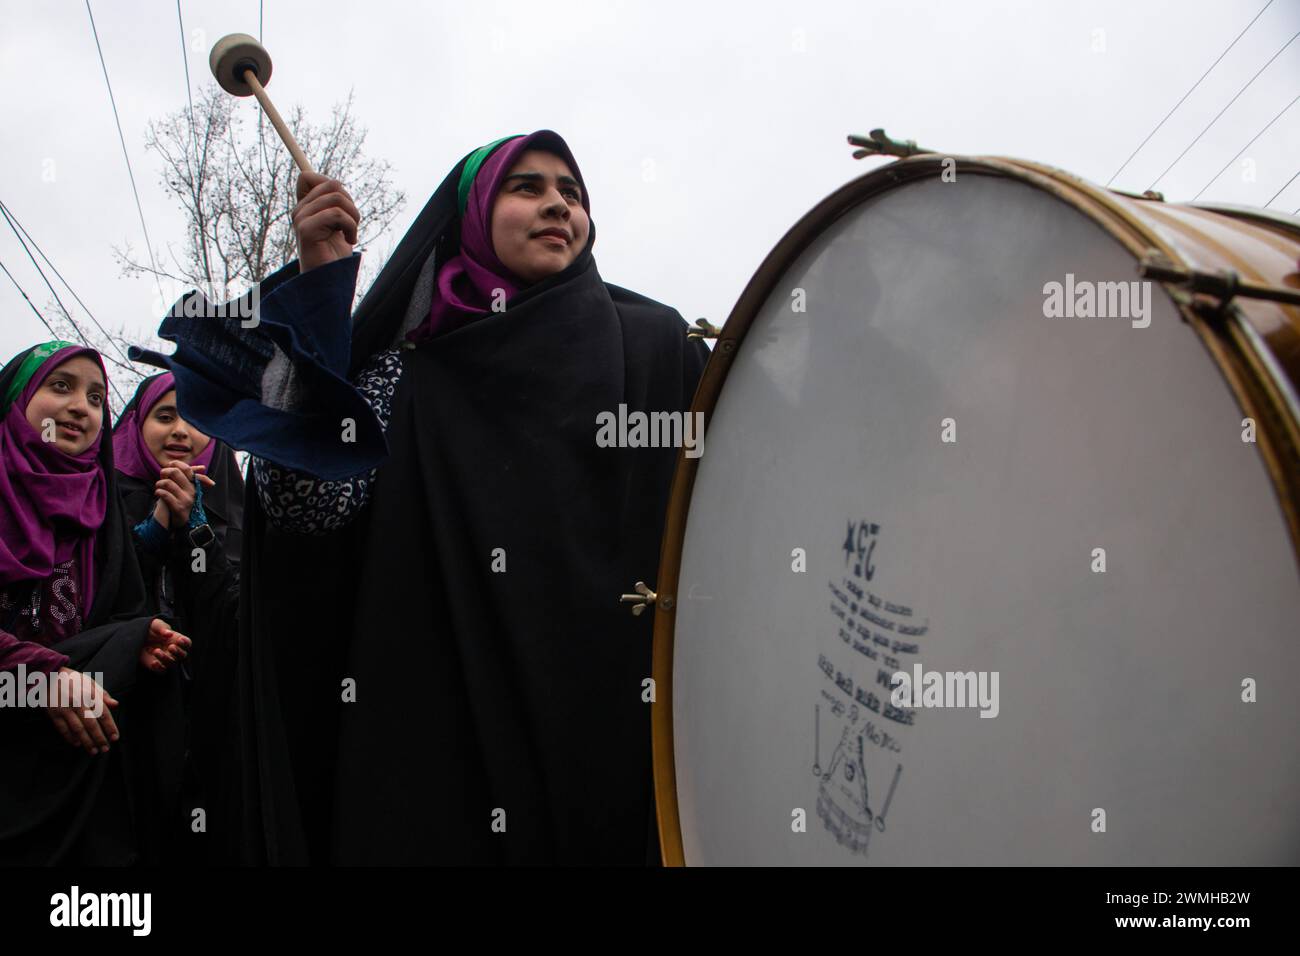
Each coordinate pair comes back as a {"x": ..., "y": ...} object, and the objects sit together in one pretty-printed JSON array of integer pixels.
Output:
[{"x": 952, "y": 434}]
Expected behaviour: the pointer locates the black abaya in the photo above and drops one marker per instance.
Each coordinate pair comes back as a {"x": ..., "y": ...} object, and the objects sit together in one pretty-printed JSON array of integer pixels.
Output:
[
  {"x": 203, "y": 605},
  {"x": 499, "y": 716}
]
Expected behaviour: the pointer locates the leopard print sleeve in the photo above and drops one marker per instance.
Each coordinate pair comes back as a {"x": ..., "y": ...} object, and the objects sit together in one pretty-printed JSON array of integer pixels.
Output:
[{"x": 300, "y": 504}]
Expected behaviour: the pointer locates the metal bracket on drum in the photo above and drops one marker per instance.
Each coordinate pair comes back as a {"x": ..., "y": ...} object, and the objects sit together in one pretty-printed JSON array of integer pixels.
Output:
[
  {"x": 704, "y": 329},
  {"x": 1224, "y": 286},
  {"x": 878, "y": 143},
  {"x": 1152, "y": 194},
  {"x": 644, "y": 598}
]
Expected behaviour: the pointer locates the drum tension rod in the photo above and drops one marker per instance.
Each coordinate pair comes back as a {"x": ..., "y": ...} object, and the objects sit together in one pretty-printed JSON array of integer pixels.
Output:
[
  {"x": 1224, "y": 286},
  {"x": 704, "y": 329},
  {"x": 878, "y": 143},
  {"x": 643, "y": 598}
]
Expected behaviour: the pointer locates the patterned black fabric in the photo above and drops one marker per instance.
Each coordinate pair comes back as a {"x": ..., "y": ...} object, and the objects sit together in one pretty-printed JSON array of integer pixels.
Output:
[{"x": 302, "y": 504}]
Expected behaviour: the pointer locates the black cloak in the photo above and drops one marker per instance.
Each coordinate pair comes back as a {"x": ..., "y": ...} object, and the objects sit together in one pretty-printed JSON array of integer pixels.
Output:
[
  {"x": 482, "y": 697},
  {"x": 203, "y": 607},
  {"x": 58, "y": 804}
]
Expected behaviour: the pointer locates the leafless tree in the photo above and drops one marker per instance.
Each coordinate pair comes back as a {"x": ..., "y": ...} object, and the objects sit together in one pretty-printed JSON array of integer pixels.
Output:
[{"x": 235, "y": 183}]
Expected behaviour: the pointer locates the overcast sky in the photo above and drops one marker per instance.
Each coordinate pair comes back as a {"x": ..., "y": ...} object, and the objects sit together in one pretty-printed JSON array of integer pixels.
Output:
[{"x": 739, "y": 109}]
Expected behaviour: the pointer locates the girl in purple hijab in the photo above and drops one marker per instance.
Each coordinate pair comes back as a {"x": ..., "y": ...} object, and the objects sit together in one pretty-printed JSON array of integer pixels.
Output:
[
  {"x": 82, "y": 667},
  {"x": 480, "y": 552},
  {"x": 183, "y": 496},
  {"x": 182, "y": 490}
]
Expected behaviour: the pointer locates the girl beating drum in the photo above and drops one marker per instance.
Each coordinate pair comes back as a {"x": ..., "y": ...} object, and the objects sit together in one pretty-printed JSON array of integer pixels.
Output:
[{"x": 437, "y": 666}]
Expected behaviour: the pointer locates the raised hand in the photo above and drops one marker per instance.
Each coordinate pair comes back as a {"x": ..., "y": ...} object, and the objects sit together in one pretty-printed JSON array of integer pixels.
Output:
[
  {"x": 325, "y": 221},
  {"x": 175, "y": 491}
]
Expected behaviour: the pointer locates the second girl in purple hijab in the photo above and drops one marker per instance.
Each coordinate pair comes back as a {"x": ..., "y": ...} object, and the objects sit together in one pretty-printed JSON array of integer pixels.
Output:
[{"x": 183, "y": 496}]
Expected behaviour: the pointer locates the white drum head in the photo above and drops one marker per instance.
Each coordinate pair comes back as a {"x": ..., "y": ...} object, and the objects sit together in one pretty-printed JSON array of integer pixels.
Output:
[{"x": 1119, "y": 695}]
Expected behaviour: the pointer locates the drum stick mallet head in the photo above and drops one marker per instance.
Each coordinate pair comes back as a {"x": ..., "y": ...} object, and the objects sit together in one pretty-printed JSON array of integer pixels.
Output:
[{"x": 243, "y": 68}]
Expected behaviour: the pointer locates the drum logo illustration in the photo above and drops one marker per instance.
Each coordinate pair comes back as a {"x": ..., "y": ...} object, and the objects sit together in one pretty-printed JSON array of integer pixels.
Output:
[{"x": 857, "y": 784}]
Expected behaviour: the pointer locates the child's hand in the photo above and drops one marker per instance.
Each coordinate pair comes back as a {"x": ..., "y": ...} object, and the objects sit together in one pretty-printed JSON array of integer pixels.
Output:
[
  {"x": 175, "y": 489},
  {"x": 163, "y": 647}
]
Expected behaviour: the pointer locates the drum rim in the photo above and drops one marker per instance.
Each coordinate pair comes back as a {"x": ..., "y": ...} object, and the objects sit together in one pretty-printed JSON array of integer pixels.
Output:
[
  {"x": 1254, "y": 344},
  {"x": 1270, "y": 218},
  {"x": 1243, "y": 355}
]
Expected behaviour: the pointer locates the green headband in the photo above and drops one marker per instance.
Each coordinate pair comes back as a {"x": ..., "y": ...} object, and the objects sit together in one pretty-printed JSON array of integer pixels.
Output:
[
  {"x": 472, "y": 164},
  {"x": 34, "y": 360}
]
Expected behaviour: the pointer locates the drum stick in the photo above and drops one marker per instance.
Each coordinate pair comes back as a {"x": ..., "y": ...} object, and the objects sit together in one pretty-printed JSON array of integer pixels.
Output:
[
  {"x": 273, "y": 115},
  {"x": 242, "y": 67}
]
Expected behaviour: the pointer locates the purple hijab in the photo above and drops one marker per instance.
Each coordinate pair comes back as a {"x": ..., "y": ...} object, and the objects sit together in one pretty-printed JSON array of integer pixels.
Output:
[
  {"x": 51, "y": 503},
  {"x": 467, "y": 280},
  {"x": 130, "y": 453}
]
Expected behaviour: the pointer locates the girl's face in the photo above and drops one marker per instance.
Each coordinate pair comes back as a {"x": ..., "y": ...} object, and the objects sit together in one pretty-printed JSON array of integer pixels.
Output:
[
  {"x": 168, "y": 436},
  {"x": 539, "y": 194},
  {"x": 72, "y": 397}
]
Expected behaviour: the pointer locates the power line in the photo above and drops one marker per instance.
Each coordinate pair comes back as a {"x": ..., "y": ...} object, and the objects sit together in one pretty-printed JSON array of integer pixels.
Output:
[
  {"x": 125, "y": 154},
  {"x": 13, "y": 222},
  {"x": 1246, "y": 147},
  {"x": 261, "y": 143},
  {"x": 1222, "y": 111},
  {"x": 194, "y": 163},
  {"x": 1187, "y": 94},
  {"x": 85, "y": 340},
  {"x": 30, "y": 304},
  {"x": 50, "y": 329},
  {"x": 80, "y": 334},
  {"x": 1283, "y": 189},
  {"x": 185, "y": 59}
]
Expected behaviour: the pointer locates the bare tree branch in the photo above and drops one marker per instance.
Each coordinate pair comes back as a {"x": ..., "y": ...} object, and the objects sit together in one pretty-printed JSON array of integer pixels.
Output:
[{"x": 236, "y": 193}]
